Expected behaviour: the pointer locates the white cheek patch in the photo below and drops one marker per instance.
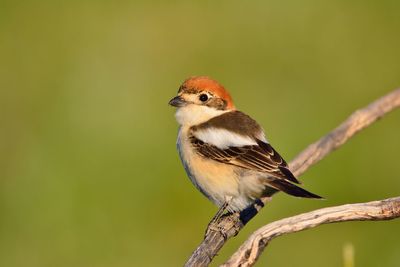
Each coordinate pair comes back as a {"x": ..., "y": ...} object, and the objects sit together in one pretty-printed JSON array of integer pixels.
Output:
[
  {"x": 194, "y": 114},
  {"x": 223, "y": 139}
]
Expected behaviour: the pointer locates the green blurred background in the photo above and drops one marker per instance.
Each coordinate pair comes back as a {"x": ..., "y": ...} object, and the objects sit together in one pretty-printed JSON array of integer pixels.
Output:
[{"x": 89, "y": 174}]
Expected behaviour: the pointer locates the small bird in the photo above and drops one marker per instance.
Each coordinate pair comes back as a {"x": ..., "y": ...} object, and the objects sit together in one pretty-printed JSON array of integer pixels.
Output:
[{"x": 225, "y": 152}]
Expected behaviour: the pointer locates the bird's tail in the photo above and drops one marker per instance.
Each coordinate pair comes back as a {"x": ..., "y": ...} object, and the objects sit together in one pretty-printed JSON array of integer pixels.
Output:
[{"x": 290, "y": 188}]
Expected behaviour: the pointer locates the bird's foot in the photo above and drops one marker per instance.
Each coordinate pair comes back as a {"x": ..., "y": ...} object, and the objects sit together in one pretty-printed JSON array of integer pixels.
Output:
[{"x": 214, "y": 223}]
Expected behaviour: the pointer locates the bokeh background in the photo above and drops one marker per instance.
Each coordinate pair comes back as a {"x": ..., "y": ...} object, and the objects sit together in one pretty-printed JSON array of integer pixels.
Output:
[{"x": 89, "y": 174}]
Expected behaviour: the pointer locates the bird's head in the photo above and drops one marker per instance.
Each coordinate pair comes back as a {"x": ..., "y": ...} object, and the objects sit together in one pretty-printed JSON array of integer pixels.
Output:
[{"x": 200, "y": 99}]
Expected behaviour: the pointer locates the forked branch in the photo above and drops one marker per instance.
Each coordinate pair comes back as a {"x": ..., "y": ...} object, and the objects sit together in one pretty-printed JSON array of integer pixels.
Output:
[
  {"x": 232, "y": 224},
  {"x": 251, "y": 249}
]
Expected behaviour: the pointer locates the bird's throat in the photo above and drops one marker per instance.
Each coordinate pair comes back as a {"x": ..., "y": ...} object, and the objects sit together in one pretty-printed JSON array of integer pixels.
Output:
[{"x": 192, "y": 114}]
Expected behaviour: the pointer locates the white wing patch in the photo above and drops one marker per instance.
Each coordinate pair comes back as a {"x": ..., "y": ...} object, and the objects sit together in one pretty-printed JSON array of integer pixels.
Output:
[
  {"x": 223, "y": 139},
  {"x": 261, "y": 136}
]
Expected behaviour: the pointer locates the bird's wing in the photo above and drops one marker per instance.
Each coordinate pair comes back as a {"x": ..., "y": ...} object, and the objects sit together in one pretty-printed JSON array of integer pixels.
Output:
[{"x": 258, "y": 156}]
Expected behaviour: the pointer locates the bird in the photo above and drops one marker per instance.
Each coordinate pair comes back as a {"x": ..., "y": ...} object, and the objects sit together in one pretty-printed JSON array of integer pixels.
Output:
[{"x": 225, "y": 152}]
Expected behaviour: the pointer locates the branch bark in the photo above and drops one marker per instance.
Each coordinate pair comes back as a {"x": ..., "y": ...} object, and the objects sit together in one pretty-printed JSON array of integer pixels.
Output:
[
  {"x": 231, "y": 225},
  {"x": 251, "y": 249}
]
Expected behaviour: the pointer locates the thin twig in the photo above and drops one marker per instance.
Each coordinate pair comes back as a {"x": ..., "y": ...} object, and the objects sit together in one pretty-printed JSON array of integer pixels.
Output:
[
  {"x": 251, "y": 249},
  {"x": 232, "y": 224}
]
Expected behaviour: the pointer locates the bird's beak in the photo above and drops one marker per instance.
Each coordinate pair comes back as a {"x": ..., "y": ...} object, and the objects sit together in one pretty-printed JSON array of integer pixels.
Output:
[{"x": 177, "y": 101}]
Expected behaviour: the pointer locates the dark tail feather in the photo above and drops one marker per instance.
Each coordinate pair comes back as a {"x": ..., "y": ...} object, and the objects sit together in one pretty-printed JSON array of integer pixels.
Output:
[
  {"x": 291, "y": 189},
  {"x": 289, "y": 175}
]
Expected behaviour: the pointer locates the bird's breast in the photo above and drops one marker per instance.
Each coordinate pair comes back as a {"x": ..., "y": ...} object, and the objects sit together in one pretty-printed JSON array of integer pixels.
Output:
[{"x": 215, "y": 180}]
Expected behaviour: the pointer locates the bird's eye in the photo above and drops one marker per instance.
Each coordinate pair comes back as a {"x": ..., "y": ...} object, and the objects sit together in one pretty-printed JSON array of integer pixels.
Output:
[{"x": 203, "y": 97}]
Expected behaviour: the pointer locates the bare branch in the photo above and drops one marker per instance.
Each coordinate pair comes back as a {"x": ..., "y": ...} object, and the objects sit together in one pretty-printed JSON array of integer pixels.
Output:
[
  {"x": 231, "y": 225},
  {"x": 359, "y": 120},
  {"x": 249, "y": 252}
]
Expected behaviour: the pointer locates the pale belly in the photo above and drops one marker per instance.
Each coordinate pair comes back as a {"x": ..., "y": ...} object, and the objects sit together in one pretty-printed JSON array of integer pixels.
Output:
[{"x": 220, "y": 182}]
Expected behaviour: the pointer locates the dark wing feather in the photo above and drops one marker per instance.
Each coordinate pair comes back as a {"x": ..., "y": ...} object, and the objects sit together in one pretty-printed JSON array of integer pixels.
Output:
[
  {"x": 261, "y": 157},
  {"x": 291, "y": 189}
]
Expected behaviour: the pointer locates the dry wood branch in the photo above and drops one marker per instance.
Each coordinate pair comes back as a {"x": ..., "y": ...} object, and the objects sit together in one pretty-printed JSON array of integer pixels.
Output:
[
  {"x": 249, "y": 252},
  {"x": 232, "y": 224},
  {"x": 359, "y": 120}
]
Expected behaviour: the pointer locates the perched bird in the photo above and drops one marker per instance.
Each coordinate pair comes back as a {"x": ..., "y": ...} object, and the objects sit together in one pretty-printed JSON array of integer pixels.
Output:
[{"x": 225, "y": 152}]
